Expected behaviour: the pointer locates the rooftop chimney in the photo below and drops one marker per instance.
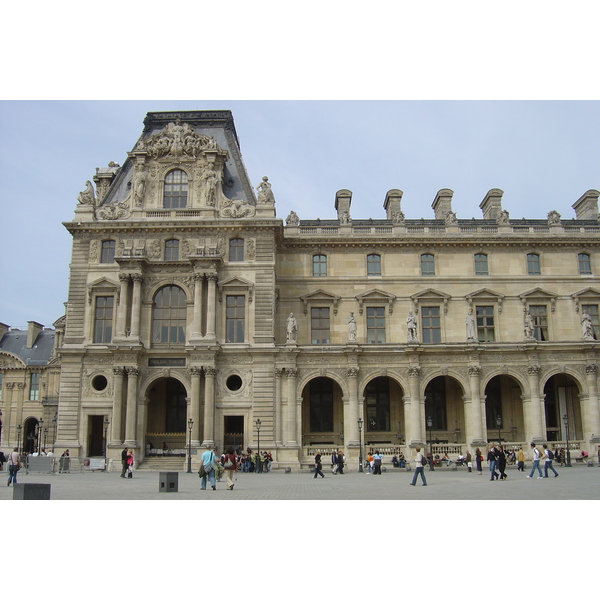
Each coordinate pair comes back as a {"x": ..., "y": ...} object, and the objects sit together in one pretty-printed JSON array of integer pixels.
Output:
[{"x": 33, "y": 330}]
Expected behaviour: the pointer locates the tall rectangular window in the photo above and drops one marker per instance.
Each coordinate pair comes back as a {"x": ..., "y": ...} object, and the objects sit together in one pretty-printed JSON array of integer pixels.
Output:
[
  {"x": 431, "y": 325},
  {"x": 103, "y": 319},
  {"x": 321, "y": 404},
  {"x": 172, "y": 250},
  {"x": 319, "y": 325},
  {"x": 319, "y": 265},
  {"x": 374, "y": 265},
  {"x": 485, "y": 323},
  {"x": 540, "y": 322},
  {"x": 34, "y": 387},
  {"x": 585, "y": 264},
  {"x": 533, "y": 264},
  {"x": 236, "y": 250},
  {"x": 481, "y": 264},
  {"x": 176, "y": 189},
  {"x": 376, "y": 325},
  {"x": 235, "y": 319},
  {"x": 427, "y": 264},
  {"x": 107, "y": 254},
  {"x": 377, "y": 396}
]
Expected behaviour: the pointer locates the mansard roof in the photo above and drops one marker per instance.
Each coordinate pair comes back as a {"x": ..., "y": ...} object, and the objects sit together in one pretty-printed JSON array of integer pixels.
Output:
[{"x": 15, "y": 342}]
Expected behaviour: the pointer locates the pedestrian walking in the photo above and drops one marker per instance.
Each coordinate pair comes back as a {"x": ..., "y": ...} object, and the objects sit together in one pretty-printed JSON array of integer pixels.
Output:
[
  {"x": 207, "y": 470},
  {"x": 478, "y": 461},
  {"x": 548, "y": 456},
  {"x": 502, "y": 463},
  {"x": 230, "y": 465},
  {"x": 377, "y": 458},
  {"x": 14, "y": 465},
  {"x": 340, "y": 462},
  {"x": 420, "y": 462},
  {"x": 318, "y": 467},
  {"x": 468, "y": 461},
  {"x": 130, "y": 464},
  {"x": 492, "y": 458},
  {"x": 65, "y": 462},
  {"x": 123, "y": 462},
  {"x": 520, "y": 460},
  {"x": 536, "y": 462},
  {"x": 334, "y": 462}
]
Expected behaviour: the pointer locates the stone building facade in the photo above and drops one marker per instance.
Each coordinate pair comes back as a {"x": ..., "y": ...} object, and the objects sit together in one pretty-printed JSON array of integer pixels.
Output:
[{"x": 194, "y": 313}]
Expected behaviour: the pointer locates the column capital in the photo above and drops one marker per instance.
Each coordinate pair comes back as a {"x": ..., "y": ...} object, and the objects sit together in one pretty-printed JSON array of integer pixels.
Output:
[
  {"x": 593, "y": 368},
  {"x": 210, "y": 371},
  {"x": 124, "y": 277},
  {"x": 137, "y": 277},
  {"x": 132, "y": 371},
  {"x": 414, "y": 371},
  {"x": 534, "y": 370},
  {"x": 291, "y": 373},
  {"x": 474, "y": 371},
  {"x": 195, "y": 371},
  {"x": 119, "y": 371},
  {"x": 353, "y": 371}
]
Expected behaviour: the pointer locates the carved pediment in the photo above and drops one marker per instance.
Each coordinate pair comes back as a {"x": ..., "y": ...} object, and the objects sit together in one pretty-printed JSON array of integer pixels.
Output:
[
  {"x": 485, "y": 295},
  {"x": 586, "y": 296},
  {"x": 102, "y": 286},
  {"x": 235, "y": 284},
  {"x": 378, "y": 296},
  {"x": 430, "y": 295},
  {"x": 320, "y": 296},
  {"x": 539, "y": 295},
  {"x": 10, "y": 361}
]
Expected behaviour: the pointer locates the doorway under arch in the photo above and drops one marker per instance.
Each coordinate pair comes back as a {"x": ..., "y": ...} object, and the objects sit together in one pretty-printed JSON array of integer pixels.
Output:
[
  {"x": 503, "y": 398},
  {"x": 30, "y": 435},
  {"x": 444, "y": 404},
  {"x": 166, "y": 424},
  {"x": 562, "y": 399},
  {"x": 383, "y": 412},
  {"x": 322, "y": 413}
]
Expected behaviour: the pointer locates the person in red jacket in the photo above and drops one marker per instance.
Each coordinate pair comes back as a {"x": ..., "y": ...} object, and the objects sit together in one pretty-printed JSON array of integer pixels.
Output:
[{"x": 230, "y": 464}]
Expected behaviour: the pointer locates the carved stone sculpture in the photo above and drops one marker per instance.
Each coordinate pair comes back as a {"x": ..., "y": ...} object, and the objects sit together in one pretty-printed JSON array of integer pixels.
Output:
[
  {"x": 528, "y": 326},
  {"x": 470, "y": 324},
  {"x": 292, "y": 219},
  {"x": 292, "y": 328},
  {"x": 351, "y": 328},
  {"x": 87, "y": 196},
  {"x": 411, "y": 328},
  {"x": 265, "y": 193},
  {"x": 587, "y": 328}
]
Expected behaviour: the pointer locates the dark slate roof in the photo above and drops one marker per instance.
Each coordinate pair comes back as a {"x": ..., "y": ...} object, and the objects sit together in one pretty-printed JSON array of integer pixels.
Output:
[{"x": 15, "y": 342}]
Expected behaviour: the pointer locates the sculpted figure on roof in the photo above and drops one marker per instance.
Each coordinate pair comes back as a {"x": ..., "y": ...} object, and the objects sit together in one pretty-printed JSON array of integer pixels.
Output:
[
  {"x": 87, "y": 196},
  {"x": 265, "y": 194}
]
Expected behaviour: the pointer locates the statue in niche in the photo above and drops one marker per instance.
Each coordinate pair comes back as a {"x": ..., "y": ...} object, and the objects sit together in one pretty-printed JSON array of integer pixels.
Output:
[
  {"x": 210, "y": 179},
  {"x": 265, "y": 193},
  {"x": 87, "y": 196},
  {"x": 292, "y": 328},
  {"x": 470, "y": 323},
  {"x": 351, "y": 328},
  {"x": 587, "y": 328},
  {"x": 528, "y": 326},
  {"x": 292, "y": 219},
  {"x": 139, "y": 187},
  {"x": 411, "y": 328}
]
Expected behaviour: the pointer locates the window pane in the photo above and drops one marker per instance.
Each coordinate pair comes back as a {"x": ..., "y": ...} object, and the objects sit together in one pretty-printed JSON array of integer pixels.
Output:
[
  {"x": 172, "y": 250},
  {"x": 374, "y": 264},
  {"x": 485, "y": 323},
  {"x": 533, "y": 264},
  {"x": 169, "y": 316},
  {"x": 481, "y": 264},
  {"x": 236, "y": 250},
  {"x": 108, "y": 252},
  {"x": 235, "y": 314},
  {"x": 427, "y": 264},
  {"x": 540, "y": 323},
  {"x": 103, "y": 318},
  {"x": 319, "y": 324},
  {"x": 585, "y": 264},
  {"x": 319, "y": 265},
  {"x": 430, "y": 323},
  {"x": 375, "y": 325}
]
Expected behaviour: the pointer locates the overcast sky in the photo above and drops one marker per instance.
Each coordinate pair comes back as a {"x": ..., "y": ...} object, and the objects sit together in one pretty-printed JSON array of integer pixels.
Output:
[{"x": 543, "y": 154}]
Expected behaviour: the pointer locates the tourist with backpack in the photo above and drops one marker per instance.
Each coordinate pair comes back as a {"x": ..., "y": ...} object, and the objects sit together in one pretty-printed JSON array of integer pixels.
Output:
[
  {"x": 548, "y": 455},
  {"x": 420, "y": 462},
  {"x": 536, "y": 462}
]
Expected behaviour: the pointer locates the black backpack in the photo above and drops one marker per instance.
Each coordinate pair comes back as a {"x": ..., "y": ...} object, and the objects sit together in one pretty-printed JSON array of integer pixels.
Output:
[{"x": 550, "y": 454}]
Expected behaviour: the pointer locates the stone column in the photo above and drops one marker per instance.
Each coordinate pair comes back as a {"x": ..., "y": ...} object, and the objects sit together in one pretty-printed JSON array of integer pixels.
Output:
[
  {"x": 116, "y": 434},
  {"x": 195, "y": 372},
  {"x": 592, "y": 422},
  {"x": 473, "y": 414},
  {"x": 197, "y": 319},
  {"x": 131, "y": 407},
  {"x": 290, "y": 413},
  {"x": 414, "y": 434},
  {"x": 136, "y": 306},
  {"x": 535, "y": 422},
  {"x": 278, "y": 417},
  {"x": 211, "y": 317},
  {"x": 209, "y": 406},
  {"x": 351, "y": 417},
  {"x": 123, "y": 304}
]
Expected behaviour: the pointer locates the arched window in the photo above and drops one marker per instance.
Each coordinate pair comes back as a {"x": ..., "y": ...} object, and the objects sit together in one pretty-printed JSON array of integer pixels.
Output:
[
  {"x": 585, "y": 264},
  {"x": 176, "y": 189},
  {"x": 172, "y": 250},
  {"x": 374, "y": 265},
  {"x": 319, "y": 265},
  {"x": 107, "y": 255},
  {"x": 427, "y": 264},
  {"x": 236, "y": 250},
  {"x": 168, "y": 323}
]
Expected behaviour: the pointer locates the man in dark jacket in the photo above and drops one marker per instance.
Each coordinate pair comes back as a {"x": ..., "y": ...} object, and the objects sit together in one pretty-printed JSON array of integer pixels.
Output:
[
  {"x": 318, "y": 470},
  {"x": 124, "y": 462}
]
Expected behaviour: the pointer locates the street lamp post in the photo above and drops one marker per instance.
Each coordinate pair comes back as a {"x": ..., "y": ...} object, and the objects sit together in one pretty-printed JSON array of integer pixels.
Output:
[
  {"x": 45, "y": 438},
  {"x": 40, "y": 431},
  {"x": 19, "y": 428},
  {"x": 54, "y": 422},
  {"x": 430, "y": 427},
  {"x": 499, "y": 425},
  {"x": 106, "y": 423},
  {"x": 258, "y": 462},
  {"x": 568, "y": 456},
  {"x": 190, "y": 425},
  {"x": 360, "y": 457}
]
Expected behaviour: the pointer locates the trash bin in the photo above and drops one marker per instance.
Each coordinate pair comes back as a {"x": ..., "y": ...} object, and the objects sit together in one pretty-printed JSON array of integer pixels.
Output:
[
  {"x": 31, "y": 491},
  {"x": 168, "y": 481}
]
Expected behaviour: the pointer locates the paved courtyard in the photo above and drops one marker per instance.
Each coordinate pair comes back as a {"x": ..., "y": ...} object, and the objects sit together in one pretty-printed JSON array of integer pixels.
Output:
[{"x": 576, "y": 483}]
